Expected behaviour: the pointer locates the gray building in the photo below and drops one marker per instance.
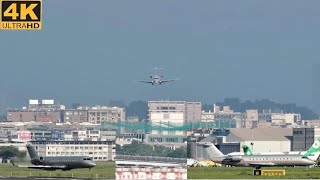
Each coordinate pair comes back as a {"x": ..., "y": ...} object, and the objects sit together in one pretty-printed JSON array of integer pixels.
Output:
[
  {"x": 98, "y": 114},
  {"x": 75, "y": 116},
  {"x": 303, "y": 138},
  {"x": 40, "y": 133}
]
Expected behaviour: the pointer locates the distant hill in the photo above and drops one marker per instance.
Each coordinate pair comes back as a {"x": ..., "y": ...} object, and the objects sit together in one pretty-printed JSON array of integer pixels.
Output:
[
  {"x": 140, "y": 108},
  {"x": 265, "y": 104}
]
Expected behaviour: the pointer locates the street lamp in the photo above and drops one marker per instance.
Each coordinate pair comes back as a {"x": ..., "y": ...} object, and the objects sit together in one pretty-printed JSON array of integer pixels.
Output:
[{"x": 251, "y": 139}]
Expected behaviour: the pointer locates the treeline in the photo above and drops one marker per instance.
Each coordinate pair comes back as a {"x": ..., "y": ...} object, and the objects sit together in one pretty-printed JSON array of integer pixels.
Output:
[
  {"x": 140, "y": 149},
  {"x": 264, "y": 104},
  {"x": 8, "y": 152},
  {"x": 3, "y": 117},
  {"x": 134, "y": 108},
  {"x": 140, "y": 108}
]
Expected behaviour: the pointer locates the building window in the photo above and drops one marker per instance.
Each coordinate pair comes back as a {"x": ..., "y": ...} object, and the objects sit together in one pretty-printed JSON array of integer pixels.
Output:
[{"x": 166, "y": 116}]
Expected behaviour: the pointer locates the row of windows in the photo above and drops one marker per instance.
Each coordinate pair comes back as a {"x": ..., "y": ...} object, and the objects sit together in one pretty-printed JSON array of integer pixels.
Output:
[
  {"x": 81, "y": 147},
  {"x": 104, "y": 114},
  {"x": 74, "y": 142},
  {"x": 262, "y": 159},
  {"x": 81, "y": 151},
  {"x": 75, "y": 113},
  {"x": 166, "y": 139},
  {"x": 297, "y": 132},
  {"x": 72, "y": 153},
  {"x": 167, "y": 108},
  {"x": 66, "y": 160}
]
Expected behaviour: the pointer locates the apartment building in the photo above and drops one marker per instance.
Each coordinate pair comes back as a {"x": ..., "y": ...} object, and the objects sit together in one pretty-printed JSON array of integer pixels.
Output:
[{"x": 102, "y": 113}]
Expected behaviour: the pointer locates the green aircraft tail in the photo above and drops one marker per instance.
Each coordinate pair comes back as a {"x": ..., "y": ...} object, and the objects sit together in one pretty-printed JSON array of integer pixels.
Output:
[
  {"x": 314, "y": 148},
  {"x": 247, "y": 151}
]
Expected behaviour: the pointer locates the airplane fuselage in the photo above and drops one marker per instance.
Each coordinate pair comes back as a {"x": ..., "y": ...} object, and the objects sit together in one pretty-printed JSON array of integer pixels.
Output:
[
  {"x": 264, "y": 160},
  {"x": 69, "y": 162},
  {"x": 313, "y": 156}
]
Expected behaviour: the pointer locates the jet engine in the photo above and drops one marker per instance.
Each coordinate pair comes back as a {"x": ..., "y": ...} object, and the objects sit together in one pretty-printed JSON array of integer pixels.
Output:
[
  {"x": 236, "y": 158},
  {"x": 41, "y": 159}
]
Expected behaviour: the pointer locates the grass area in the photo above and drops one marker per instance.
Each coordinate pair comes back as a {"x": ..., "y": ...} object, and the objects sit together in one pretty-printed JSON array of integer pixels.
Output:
[
  {"x": 105, "y": 170},
  {"x": 246, "y": 173}
]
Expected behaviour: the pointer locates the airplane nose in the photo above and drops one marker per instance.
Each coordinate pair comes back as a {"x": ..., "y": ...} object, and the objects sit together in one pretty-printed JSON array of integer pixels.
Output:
[
  {"x": 310, "y": 162},
  {"x": 92, "y": 164}
]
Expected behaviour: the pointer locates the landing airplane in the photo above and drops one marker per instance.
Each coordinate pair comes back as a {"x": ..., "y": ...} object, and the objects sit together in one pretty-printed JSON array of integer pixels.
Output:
[
  {"x": 157, "y": 80},
  {"x": 57, "y": 162},
  {"x": 257, "y": 161}
]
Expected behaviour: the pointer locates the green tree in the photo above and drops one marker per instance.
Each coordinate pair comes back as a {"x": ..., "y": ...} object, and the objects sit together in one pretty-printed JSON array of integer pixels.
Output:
[
  {"x": 161, "y": 151},
  {"x": 139, "y": 149},
  {"x": 137, "y": 108},
  {"x": 189, "y": 155},
  {"x": 178, "y": 153},
  {"x": 7, "y": 152},
  {"x": 3, "y": 117},
  {"x": 21, "y": 154}
]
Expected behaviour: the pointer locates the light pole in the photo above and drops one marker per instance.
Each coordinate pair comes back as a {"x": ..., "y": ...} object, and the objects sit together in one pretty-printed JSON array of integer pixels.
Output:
[{"x": 251, "y": 139}]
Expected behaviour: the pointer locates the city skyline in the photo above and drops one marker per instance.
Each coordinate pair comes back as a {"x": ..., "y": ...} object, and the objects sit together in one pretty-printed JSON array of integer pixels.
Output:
[{"x": 217, "y": 49}]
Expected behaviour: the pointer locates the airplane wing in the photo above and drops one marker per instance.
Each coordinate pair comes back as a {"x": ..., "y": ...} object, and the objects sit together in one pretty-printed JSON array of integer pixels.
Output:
[
  {"x": 167, "y": 80},
  {"x": 146, "y": 81},
  {"x": 42, "y": 167}
]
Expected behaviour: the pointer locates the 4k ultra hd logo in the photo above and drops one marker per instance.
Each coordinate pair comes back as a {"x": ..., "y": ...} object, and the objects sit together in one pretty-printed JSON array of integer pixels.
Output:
[{"x": 20, "y": 15}]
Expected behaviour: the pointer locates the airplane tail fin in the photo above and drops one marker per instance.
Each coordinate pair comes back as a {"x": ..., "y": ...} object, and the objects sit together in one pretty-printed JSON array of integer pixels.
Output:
[
  {"x": 247, "y": 151},
  {"x": 32, "y": 151},
  {"x": 212, "y": 150},
  {"x": 315, "y": 148}
]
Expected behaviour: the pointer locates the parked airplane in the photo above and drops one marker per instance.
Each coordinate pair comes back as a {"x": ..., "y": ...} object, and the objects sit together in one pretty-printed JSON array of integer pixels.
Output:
[
  {"x": 57, "y": 162},
  {"x": 313, "y": 152},
  {"x": 257, "y": 161}
]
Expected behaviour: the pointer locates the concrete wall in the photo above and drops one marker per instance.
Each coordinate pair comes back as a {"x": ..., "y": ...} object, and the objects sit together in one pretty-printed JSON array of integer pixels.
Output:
[{"x": 141, "y": 173}]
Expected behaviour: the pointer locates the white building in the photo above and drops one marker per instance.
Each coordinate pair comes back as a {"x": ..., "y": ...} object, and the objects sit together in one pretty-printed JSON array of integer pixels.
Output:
[
  {"x": 97, "y": 150},
  {"x": 285, "y": 118},
  {"x": 191, "y": 111}
]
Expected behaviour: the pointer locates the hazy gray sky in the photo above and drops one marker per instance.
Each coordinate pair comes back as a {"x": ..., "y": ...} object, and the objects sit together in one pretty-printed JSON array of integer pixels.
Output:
[{"x": 95, "y": 51}]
